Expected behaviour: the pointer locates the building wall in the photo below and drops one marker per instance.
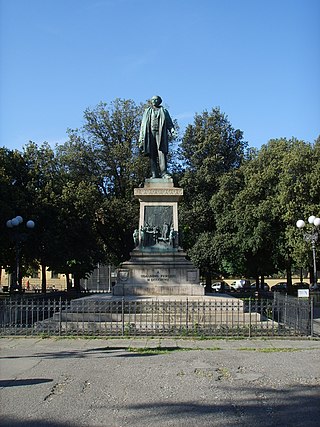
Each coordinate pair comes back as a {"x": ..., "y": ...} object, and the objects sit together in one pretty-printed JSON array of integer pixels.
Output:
[
  {"x": 54, "y": 281},
  {"x": 98, "y": 280}
]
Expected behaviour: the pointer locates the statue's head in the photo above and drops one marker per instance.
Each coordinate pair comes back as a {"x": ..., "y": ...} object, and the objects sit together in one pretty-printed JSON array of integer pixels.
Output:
[{"x": 156, "y": 100}]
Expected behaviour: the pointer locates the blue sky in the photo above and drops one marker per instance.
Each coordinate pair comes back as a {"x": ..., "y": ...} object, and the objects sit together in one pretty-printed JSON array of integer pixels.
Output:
[{"x": 258, "y": 60}]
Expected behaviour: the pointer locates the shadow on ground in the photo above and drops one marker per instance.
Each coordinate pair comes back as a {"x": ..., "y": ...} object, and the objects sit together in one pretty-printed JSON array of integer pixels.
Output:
[{"x": 24, "y": 382}]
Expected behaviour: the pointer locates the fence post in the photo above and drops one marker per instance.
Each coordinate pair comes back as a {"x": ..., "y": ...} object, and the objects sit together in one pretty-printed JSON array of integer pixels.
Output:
[
  {"x": 311, "y": 316},
  {"x": 187, "y": 314},
  {"x": 3, "y": 314},
  {"x": 249, "y": 317},
  {"x": 122, "y": 315},
  {"x": 60, "y": 316},
  {"x": 15, "y": 305},
  {"x": 285, "y": 310}
]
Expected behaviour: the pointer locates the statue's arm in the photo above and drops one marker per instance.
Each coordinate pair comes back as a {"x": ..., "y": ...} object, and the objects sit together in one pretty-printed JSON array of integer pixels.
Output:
[
  {"x": 142, "y": 129},
  {"x": 169, "y": 121}
]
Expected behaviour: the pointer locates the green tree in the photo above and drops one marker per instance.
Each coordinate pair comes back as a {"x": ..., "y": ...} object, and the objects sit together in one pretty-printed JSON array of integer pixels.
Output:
[
  {"x": 44, "y": 189},
  {"x": 276, "y": 186},
  {"x": 299, "y": 197},
  {"x": 210, "y": 148},
  {"x": 81, "y": 247},
  {"x": 105, "y": 154},
  {"x": 64, "y": 207},
  {"x": 15, "y": 200}
]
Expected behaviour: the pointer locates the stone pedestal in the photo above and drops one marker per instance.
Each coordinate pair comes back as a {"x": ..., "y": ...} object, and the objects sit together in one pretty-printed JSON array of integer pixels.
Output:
[{"x": 158, "y": 265}]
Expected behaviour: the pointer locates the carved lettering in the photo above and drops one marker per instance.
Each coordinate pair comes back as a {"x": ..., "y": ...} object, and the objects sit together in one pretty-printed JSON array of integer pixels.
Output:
[{"x": 157, "y": 277}]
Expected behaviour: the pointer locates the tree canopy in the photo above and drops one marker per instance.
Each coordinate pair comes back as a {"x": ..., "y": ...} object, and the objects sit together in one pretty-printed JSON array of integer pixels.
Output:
[
  {"x": 237, "y": 217},
  {"x": 258, "y": 206},
  {"x": 210, "y": 148},
  {"x": 81, "y": 193}
]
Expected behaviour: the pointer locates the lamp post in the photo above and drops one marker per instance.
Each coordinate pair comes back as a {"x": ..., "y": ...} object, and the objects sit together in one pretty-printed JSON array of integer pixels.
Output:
[
  {"x": 311, "y": 236},
  {"x": 18, "y": 237}
]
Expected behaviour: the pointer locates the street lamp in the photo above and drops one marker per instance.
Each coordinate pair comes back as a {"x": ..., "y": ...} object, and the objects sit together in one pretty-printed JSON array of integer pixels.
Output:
[
  {"x": 18, "y": 238},
  {"x": 311, "y": 236}
]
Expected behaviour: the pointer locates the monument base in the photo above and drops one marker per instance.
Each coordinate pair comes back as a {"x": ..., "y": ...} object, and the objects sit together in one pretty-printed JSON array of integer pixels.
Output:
[
  {"x": 158, "y": 265},
  {"x": 167, "y": 273}
]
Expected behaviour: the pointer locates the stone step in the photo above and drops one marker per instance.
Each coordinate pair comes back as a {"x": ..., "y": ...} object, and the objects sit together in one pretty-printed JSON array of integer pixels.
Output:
[{"x": 221, "y": 317}]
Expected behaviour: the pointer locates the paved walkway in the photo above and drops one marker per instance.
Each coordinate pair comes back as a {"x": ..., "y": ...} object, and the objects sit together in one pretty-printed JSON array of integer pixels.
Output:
[{"x": 159, "y": 382}]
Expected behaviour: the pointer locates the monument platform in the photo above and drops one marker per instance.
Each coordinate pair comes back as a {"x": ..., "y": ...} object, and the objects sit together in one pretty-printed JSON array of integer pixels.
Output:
[
  {"x": 219, "y": 298},
  {"x": 106, "y": 314}
]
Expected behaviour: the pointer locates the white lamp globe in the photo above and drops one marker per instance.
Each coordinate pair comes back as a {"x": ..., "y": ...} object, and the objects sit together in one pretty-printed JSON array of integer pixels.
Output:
[
  {"x": 9, "y": 223},
  {"x": 311, "y": 219},
  {"x": 30, "y": 224},
  {"x": 316, "y": 222},
  {"x": 20, "y": 219},
  {"x": 300, "y": 223},
  {"x": 15, "y": 222}
]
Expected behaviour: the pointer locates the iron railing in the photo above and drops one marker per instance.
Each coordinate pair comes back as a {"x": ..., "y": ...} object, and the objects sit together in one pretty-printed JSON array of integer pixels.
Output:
[
  {"x": 106, "y": 316},
  {"x": 295, "y": 313}
]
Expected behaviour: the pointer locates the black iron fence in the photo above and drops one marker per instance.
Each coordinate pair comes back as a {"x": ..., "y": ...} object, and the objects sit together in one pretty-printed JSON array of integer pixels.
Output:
[
  {"x": 105, "y": 316},
  {"x": 295, "y": 313}
]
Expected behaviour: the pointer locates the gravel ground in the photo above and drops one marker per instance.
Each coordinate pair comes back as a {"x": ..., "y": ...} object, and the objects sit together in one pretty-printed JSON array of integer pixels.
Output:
[{"x": 159, "y": 382}]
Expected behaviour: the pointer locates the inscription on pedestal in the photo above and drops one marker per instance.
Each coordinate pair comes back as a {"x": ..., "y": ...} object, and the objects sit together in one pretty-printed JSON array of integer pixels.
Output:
[{"x": 158, "y": 277}]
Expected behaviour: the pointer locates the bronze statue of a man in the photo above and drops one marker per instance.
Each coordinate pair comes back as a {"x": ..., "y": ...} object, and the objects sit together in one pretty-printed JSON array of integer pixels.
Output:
[{"x": 155, "y": 125}]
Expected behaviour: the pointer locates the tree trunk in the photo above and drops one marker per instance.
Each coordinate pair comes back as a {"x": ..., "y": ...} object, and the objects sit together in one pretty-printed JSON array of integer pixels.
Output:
[
  {"x": 76, "y": 283},
  {"x": 208, "y": 288},
  {"x": 69, "y": 283},
  {"x": 43, "y": 278},
  {"x": 312, "y": 278},
  {"x": 289, "y": 277}
]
